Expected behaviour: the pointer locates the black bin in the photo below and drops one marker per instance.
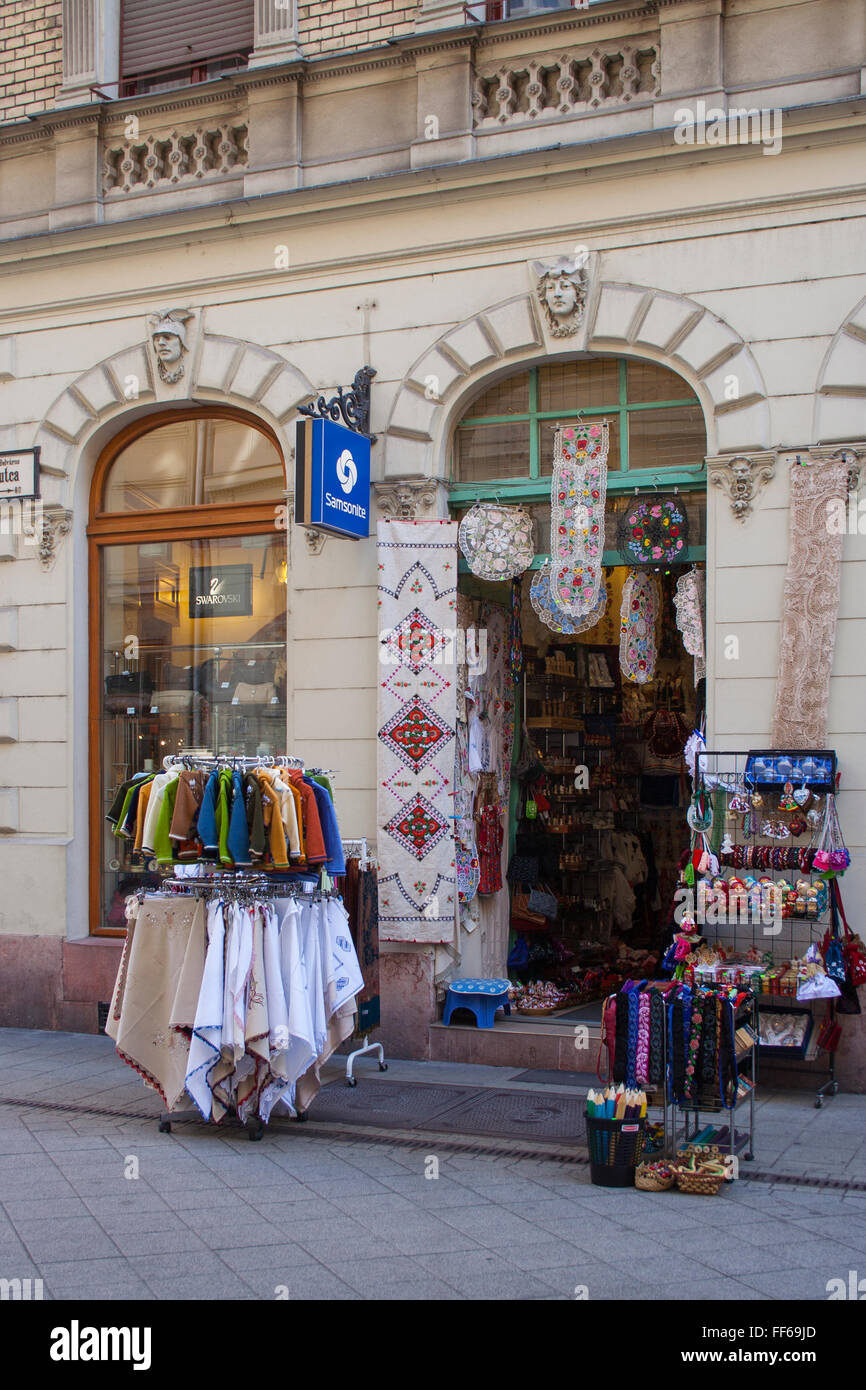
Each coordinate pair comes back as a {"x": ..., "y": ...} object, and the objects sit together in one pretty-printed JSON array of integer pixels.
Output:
[{"x": 615, "y": 1149}]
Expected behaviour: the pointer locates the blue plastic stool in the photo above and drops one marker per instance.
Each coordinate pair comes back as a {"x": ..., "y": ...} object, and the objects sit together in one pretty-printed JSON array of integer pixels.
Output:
[{"x": 481, "y": 997}]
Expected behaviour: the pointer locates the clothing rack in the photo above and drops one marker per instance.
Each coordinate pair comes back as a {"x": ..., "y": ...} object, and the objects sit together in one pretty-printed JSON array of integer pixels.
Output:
[{"x": 198, "y": 760}]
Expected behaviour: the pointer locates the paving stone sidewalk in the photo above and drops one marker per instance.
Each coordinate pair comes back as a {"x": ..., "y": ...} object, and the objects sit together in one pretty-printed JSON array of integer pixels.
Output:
[{"x": 210, "y": 1215}]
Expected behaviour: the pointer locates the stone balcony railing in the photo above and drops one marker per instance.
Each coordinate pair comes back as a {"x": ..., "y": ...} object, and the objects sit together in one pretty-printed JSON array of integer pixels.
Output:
[
  {"x": 442, "y": 96},
  {"x": 568, "y": 85},
  {"x": 176, "y": 158}
]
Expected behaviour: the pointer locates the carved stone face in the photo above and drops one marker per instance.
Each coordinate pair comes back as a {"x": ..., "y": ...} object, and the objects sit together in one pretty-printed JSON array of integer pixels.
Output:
[
  {"x": 742, "y": 471},
  {"x": 167, "y": 346},
  {"x": 560, "y": 293}
]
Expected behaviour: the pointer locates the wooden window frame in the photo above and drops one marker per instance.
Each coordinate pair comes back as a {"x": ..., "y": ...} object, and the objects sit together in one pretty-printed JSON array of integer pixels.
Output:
[{"x": 204, "y": 522}]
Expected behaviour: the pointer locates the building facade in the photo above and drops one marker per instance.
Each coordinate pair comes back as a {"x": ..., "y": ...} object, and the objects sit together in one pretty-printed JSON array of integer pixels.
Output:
[{"x": 201, "y": 237}]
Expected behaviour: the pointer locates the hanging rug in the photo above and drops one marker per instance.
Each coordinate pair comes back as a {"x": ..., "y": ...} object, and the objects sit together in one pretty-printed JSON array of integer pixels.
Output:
[
  {"x": 638, "y": 614},
  {"x": 497, "y": 541},
  {"x": 652, "y": 530},
  {"x": 577, "y": 497}
]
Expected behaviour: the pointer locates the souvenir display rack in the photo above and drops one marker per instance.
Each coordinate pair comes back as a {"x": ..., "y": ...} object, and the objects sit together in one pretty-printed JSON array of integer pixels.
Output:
[
  {"x": 707, "y": 1103},
  {"x": 731, "y": 779}
]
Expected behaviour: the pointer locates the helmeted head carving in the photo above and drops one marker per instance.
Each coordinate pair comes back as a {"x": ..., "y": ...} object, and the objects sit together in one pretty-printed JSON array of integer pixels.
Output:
[
  {"x": 562, "y": 286},
  {"x": 168, "y": 335}
]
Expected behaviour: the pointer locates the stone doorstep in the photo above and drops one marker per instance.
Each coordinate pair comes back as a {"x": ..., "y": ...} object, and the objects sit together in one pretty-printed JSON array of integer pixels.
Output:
[{"x": 521, "y": 1043}]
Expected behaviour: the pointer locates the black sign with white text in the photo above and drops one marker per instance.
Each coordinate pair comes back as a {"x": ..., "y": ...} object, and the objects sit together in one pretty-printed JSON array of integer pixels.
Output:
[{"x": 220, "y": 591}]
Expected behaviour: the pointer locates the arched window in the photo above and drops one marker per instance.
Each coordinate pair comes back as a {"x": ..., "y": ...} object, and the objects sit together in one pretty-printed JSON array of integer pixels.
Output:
[
  {"x": 656, "y": 420},
  {"x": 188, "y": 619},
  {"x": 503, "y": 443}
]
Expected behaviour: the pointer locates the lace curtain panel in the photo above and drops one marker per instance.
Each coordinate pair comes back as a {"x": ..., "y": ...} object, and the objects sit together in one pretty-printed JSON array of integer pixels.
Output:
[{"x": 810, "y": 607}]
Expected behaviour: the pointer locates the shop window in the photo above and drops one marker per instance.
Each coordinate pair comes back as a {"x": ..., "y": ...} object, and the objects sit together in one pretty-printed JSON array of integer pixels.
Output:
[
  {"x": 656, "y": 422},
  {"x": 188, "y": 616}
]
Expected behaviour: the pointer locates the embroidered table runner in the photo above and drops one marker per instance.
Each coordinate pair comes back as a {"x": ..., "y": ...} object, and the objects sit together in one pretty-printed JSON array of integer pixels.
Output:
[{"x": 416, "y": 729}]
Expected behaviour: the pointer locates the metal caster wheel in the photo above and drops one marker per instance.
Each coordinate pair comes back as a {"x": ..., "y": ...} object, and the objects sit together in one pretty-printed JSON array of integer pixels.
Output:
[
  {"x": 165, "y": 1126},
  {"x": 383, "y": 1066},
  {"x": 351, "y": 1081},
  {"x": 819, "y": 1103},
  {"x": 302, "y": 1117},
  {"x": 749, "y": 1158},
  {"x": 255, "y": 1132}
]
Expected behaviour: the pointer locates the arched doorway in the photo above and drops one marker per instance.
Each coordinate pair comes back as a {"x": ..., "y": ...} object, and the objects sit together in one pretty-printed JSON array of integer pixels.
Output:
[
  {"x": 187, "y": 620},
  {"x": 607, "y": 848}
]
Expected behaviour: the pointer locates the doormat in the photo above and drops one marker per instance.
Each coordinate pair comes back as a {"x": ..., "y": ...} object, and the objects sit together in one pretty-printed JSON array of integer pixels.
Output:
[
  {"x": 540, "y": 1077},
  {"x": 452, "y": 1110}
]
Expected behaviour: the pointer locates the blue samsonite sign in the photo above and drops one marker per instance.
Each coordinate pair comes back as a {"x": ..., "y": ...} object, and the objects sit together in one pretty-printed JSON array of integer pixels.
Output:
[{"x": 332, "y": 478}]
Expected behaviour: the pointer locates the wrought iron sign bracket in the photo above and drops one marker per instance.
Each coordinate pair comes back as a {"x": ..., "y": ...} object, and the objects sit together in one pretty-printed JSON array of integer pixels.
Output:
[{"x": 351, "y": 407}]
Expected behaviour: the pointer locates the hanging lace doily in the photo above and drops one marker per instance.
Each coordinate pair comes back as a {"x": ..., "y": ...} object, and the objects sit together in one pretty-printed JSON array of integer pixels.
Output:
[
  {"x": 466, "y": 860},
  {"x": 689, "y": 603},
  {"x": 577, "y": 497},
  {"x": 497, "y": 541},
  {"x": 637, "y": 637},
  {"x": 653, "y": 529},
  {"x": 542, "y": 602}
]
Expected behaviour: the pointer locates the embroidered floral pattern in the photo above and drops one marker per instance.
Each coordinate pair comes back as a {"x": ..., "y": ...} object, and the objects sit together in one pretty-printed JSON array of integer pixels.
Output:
[
  {"x": 497, "y": 541},
  {"x": 638, "y": 614},
  {"x": 542, "y": 601},
  {"x": 577, "y": 497},
  {"x": 653, "y": 529}
]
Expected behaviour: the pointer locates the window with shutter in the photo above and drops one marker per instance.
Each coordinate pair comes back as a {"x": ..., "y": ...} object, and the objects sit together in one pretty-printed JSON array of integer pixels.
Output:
[{"x": 165, "y": 43}]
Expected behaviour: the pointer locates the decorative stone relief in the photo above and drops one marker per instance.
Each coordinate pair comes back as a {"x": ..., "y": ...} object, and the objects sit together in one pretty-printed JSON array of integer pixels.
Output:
[
  {"x": 742, "y": 479},
  {"x": 56, "y": 523},
  {"x": 850, "y": 454},
  {"x": 562, "y": 292},
  {"x": 168, "y": 336},
  {"x": 176, "y": 158},
  {"x": 406, "y": 500},
  {"x": 566, "y": 84}
]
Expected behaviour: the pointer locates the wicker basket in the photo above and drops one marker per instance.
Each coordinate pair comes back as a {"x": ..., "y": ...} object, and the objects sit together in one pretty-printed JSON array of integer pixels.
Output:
[
  {"x": 699, "y": 1184},
  {"x": 541, "y": 1011},
  {"x": 651, "y": 1182}
]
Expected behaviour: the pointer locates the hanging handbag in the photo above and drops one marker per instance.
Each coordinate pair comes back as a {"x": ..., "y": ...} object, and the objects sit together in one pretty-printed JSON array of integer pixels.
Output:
[
  {"x": 523, "y": 868},
  {"x": 830, "y": 1035},
  {"x": 522, "y": 917},
  {"x": 543, "y": 901},
  {"x": 518, "y": 956},
  {"x": 853, "y": 949}
]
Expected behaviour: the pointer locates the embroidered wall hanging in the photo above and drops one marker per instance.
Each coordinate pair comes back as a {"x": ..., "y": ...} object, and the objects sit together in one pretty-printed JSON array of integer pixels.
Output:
[
  {"x": 653, "y": 529},
  {"x": 810, "y": 605},
  {"x": 577, "y": 496},
  {"x": 637, "y": 640},
  {"x": 552, "y": 616},
  {"x": 497, "y": 541},
  {"x": 690, "y": 603},
  {"x": 416, "y": 727}
]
